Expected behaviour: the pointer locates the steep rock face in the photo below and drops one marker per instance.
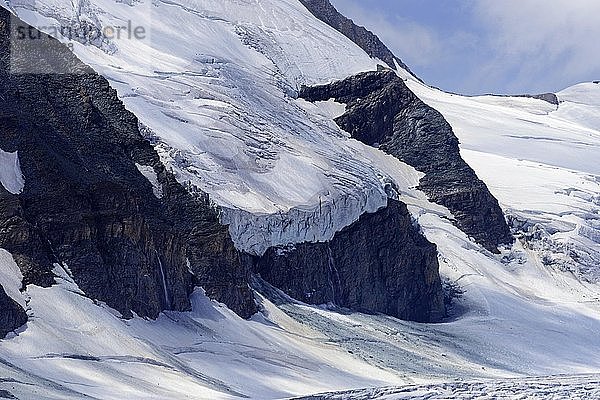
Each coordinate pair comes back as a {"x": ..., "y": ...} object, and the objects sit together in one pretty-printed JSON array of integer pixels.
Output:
[
  {"x": 379, "y": 264},
  {"x": 30, "y": 250},
  {"x": 365, "y": 39},
  {"x": 96, "y": 196},
  {"x": 12, "y": 315},
  {"x": 383, "y": 112}
]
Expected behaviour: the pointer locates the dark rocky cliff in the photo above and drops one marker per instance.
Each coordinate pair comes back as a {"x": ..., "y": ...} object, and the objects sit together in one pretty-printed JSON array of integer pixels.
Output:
[
  {"x": 383, "y": 112},
  {"x": 12, "y": 315},
  {"x": 379, "y": 264},
  {"x": 86, "y": 204},
  {"x": 365, "y": 39}
]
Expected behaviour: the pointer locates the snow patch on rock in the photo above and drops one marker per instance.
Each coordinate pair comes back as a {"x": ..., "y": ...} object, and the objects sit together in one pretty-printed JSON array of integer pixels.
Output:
[
  {"x": 150, "y": 174},
  {"x": 11, "y": 278},
  {"x": 11, "y": 176}
]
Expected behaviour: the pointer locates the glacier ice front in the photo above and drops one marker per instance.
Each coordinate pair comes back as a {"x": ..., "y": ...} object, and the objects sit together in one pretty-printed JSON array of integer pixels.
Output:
[{"x": 222, "y": 113}]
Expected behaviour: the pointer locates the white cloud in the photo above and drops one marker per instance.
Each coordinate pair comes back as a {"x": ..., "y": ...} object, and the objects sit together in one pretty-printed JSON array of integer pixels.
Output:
[
  {"x": 414, "y": 43},
  {"x": 550, "y": 42},
  {"x": 501, "y": 46}
]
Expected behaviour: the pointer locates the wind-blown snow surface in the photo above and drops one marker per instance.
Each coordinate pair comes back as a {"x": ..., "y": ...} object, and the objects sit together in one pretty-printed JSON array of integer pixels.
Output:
[
  {"x": 545, "y": 388},
  {"x": 213, "y": 94},
  {"x": 73, "y": 346}
]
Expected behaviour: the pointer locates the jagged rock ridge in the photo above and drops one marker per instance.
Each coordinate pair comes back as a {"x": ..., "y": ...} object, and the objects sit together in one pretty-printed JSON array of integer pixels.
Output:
[{"x": 383, "y": 112}]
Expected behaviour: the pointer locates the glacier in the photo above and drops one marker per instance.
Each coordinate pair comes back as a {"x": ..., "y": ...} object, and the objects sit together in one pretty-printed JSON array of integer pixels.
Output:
[
  {"x": 223, "y": 114},
  {"x": 214, "y": 90},
  {"x": 540, "y": 161}
]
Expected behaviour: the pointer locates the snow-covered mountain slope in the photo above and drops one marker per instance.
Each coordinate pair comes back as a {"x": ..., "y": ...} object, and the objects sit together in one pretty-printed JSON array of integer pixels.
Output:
[
  {"x": 517, "y": 318},
  {"x": 212, "y": 86},
  {"x": 75, "y": 348},
  {"x": 541, "y": 162},
  {"x": 580, "y": 103},
  {"x": 367, "y": 40}
]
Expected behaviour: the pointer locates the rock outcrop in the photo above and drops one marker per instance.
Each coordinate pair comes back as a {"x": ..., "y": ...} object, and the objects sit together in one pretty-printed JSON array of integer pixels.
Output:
[
  {"x": 547, "y": 97},
  {"x": 98, "y": 200},
  {"x": 365, "y": 39},
  {"x": 12, "y": 316},
  {"x": 379, "y": 264},
  {"x": 383, "y": 112},
  {"x": 90, "y": 200}
]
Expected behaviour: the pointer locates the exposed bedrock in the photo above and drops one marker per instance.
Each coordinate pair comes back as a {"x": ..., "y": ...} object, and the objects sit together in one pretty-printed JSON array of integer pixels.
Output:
[
  {"x": 12, "y": 315},
  {"x": 98, "y": 200},
  {"x": 383, "y": 112},
  {"x": 86, "y": 203},
  {"x": 547, "y": 97},
  {"x": 379, "y": 264}
]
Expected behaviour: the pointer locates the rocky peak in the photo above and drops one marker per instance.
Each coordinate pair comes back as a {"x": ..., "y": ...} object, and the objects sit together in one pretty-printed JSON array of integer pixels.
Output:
[
  {"x": 383, "y": 112},
  {"x": 98, "y": 200}
]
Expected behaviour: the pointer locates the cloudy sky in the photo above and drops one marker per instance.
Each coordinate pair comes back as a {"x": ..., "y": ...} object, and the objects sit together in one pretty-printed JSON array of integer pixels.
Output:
[{"x": 488, "y": 46}]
